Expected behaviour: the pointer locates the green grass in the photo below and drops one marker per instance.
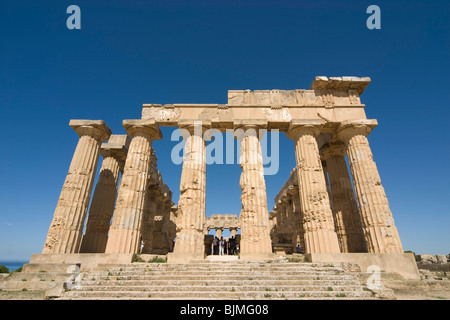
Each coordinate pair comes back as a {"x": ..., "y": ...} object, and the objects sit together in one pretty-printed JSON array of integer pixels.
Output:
[{"x": 157, "y": 260}]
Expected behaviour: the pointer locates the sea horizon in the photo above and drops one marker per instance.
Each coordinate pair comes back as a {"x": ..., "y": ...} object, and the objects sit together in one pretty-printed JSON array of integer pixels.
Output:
[{"x": 13, "y": 265}]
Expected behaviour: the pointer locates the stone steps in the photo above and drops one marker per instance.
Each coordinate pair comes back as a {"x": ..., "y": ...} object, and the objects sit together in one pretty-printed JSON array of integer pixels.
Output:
[
  {"x": 218, "y": 280},
  {"x": 226, "y": 270},
  {"x": 74, "y": 294},
  {"x": 218, "y": 288},
  {"x": 125, "y": 275}
]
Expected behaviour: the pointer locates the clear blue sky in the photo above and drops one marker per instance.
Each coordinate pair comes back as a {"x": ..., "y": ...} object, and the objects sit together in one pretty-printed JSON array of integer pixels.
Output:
[{"x": 133, "y": 52}]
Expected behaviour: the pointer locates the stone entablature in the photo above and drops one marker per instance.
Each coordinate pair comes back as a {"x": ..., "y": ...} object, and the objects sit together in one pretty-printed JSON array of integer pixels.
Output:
[
  {"x": 328, "y": 92},
  {"x": 222, "y": 221},
  {"x": 330, "y": 100}
]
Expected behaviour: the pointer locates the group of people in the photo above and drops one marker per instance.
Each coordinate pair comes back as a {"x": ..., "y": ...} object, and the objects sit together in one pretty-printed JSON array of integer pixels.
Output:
[{"x": 223, "y": 247}]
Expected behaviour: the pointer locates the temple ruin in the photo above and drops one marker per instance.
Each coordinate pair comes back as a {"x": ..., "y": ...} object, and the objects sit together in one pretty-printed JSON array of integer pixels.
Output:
[{"x": 326, "y": 209}]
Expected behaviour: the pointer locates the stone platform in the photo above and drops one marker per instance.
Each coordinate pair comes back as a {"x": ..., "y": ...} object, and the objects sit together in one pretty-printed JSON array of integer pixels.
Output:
[
  {"x": 225, "y": 280},
  {"x": 222, "y": 258},
  {"x": 402, "y": 263}
]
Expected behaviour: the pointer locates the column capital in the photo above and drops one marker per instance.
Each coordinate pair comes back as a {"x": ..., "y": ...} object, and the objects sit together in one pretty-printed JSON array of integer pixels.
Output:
[
  {"x": 249, "y": 128},
  {"x": 333, "y": 149},
  {"x": 298, "y": 128},
  {"x": 94, "y": 128},
  {"x": 291, "y": 191},
  {"x": 144, "y": 127},
  {"x": 194, "y": 126},
  {"x": 250, "y": 124},
  {"x": 349, "y": 128},
  {"x": 282, "y": 202}
]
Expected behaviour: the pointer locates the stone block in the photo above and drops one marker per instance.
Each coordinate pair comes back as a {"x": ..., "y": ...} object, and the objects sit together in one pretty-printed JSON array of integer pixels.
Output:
[
  {"x": 184, "y": 257},
  {"x": 402, "y": 263},
  {"x": 428, "y": 257},
  {"x": 87, "y": 261}
]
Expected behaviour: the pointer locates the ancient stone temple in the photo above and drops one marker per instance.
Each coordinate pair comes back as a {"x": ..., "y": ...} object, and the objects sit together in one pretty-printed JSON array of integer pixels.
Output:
[{"x": 329, "y": 211}]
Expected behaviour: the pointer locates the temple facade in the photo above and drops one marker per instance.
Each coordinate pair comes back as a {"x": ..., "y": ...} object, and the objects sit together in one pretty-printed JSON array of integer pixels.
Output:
[{"x": 333, "y": 202}]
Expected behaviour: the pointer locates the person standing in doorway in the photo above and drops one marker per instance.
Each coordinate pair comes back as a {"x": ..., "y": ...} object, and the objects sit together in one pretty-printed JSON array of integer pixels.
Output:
[
  {"x": 216, "y": 245},
  {"x": 221, "y": 246},
  {"x": 142, "y": 246}
]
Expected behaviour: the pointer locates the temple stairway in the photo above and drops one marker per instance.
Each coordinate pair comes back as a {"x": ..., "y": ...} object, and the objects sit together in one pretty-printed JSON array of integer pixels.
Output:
[{"x": 219, "y": 280}]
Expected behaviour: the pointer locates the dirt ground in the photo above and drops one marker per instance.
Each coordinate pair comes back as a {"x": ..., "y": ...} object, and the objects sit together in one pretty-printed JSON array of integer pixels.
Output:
[{"x": 22, "y": 295}]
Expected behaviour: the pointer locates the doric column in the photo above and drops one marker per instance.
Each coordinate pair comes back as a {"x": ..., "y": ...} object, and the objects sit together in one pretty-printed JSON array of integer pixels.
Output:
[
  {"x": 65, "y": 232},
  {"x": 293, "y": 216},
  {"x": 233, "y": 231},
  {"x": 299, "y": 219},
  {"x": 345, "y": 211},
  {"x": 319, "y": 233},
  {"x": 102, "y": 206},
  {"x": 281, "y": 217},
  {"x": 125, "y": 230},
  {"x": 327, "y": 183},
  {"x": 166, "y": 224},
  {"x": 191, "y": 205},
  {"x": 150, "y": 211},
  {"x": 273, "y": 222},
  {"x": 152, "y": 204},
  {"x": 219, "y": 232},
  {"x": 254, "y": 216},
  {"x": 379, "y": 230}
]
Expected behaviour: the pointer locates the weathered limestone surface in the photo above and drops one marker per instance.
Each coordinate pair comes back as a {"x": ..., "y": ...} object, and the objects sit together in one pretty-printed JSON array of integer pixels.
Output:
[
  {"x": 345, "y": 211},
  {"x": 102, "y": 207},
  {"x": 65, "y": 232},
  {"x": 222, "y": 221},
  {"x": 157, "y": 225},
  {"x": 191, "y": 205},
  {"x": 333, "y": 98},
  {"x": 318, "y": 224},
  {"x": 288, "y": 231},
  {"x": 380, "y": 232},
  {"x": 254, "y": 217},
  {"x": 125, "y": 230}
]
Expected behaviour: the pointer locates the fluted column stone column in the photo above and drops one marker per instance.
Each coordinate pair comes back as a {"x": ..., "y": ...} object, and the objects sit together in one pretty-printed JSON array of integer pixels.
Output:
[
  {"x": 281, "y": 217},
  {"x": 318, "y": 224},
  {"x": 219, "y": 232},
  {"x": 300, "y": 239},
  {"x": 379, "y": 230},
  {"x": 125, "y": 230},
  {"x": 345, "y": 210},
  {"x": 65, "y": 232},
  {"x": 327, "y": 183},
  {"x": 191, "y": 205},
  {"x": 294, "y": 218},
  {"x": 254, "y": 217},
  {"x": 102, "y": 206}
]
